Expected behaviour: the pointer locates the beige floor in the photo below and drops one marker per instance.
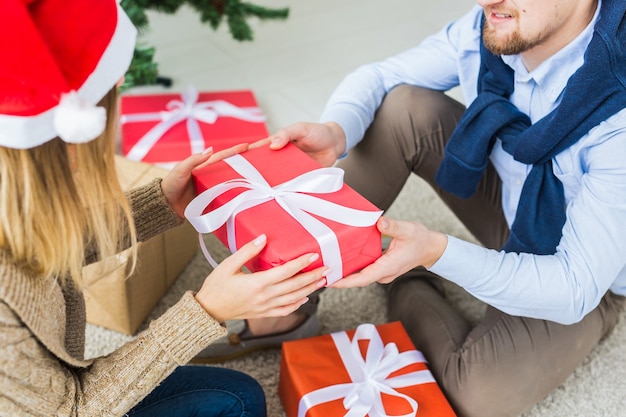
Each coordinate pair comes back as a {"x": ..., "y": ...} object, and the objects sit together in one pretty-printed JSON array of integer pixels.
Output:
[{"x": 292, "y": 66}]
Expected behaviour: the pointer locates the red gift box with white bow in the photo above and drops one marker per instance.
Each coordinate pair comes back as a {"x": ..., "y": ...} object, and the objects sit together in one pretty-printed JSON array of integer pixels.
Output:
[
  {"x": 370, "y": 371},
  {"x": 166, "y": 128},
  {"x": 300, "y": 207}
]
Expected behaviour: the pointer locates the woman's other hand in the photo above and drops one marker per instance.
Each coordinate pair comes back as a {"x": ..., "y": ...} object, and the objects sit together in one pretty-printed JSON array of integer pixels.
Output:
[
  {"x": 229, "y": 293},
  {"x": 177, "y": 185}
]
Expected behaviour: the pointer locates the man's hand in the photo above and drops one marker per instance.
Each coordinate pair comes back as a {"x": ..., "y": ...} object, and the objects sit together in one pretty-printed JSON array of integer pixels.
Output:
[
  {"x": 412, "y": 245},
  {"x": 324, "y": 142}
]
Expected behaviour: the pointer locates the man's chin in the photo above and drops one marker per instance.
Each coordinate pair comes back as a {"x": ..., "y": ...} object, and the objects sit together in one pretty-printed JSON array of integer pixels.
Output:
[{"x": 503, "y": 45}]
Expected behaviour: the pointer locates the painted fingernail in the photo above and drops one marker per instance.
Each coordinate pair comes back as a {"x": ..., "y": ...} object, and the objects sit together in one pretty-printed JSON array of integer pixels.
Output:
[
  {"x": 259, "y": 240},
  {"x": 207, "y": 150},
  {"x": 322, "y": 283},
  {"x": 314, "y": 257}
]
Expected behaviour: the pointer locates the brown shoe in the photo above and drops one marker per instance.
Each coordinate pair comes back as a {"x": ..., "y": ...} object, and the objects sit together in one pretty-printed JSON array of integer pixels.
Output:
[{"x": 239, "y": 341}]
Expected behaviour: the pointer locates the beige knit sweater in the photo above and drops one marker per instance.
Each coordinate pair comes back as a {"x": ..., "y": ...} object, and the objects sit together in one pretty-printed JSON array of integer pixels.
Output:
[{"x": 42, "y": 337}]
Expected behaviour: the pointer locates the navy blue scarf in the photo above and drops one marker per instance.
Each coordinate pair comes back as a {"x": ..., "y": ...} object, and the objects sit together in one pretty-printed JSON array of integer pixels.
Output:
[{"x": 596, "y": 91}]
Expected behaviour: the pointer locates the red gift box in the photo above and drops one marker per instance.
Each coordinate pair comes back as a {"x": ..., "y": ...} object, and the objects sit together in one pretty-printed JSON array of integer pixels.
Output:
[
  {"x": 300, "y": 207},
  {"x": 372, "y": 370},
  {"x": 167, "y": 128}
]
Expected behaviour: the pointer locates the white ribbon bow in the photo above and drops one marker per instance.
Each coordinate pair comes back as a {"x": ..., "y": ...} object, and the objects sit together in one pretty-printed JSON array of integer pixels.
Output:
[
  {"x": 290, "y": 196},
  {"x": 192, "y": 111},
  {"x": 370, "y": 376}
]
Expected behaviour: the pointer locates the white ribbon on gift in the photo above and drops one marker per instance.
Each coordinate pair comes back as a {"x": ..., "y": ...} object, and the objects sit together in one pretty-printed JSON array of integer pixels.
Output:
[
  {"x": 192, "y": 111},
  {"x": 291, "y": 197},
  {"x": 370, "y": 376}
]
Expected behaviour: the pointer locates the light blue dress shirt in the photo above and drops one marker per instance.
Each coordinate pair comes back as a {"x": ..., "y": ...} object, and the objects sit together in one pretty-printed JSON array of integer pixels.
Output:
[{"x": 591, "y": 257}]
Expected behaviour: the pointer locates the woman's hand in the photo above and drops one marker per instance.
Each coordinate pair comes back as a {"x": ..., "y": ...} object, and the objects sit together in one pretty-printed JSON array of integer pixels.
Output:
[
  {"x": 412, "y": 245},
  {"x": 324, "y": 142},
  {"x": 177, "y": 185},
  {"x": 229, "y": 293}
]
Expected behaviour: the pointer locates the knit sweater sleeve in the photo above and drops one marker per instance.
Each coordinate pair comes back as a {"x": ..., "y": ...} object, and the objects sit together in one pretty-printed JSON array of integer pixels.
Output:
[
  {"x": 35, "y": 382},
  {"x": 117, "y": 382},
  {"x": 151, "y": 211}
]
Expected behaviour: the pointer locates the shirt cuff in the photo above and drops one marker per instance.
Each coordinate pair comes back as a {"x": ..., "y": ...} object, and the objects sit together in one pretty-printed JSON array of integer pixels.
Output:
[
  {"x": 461, "y": 262},
  {"x": 350, "y": 123}
]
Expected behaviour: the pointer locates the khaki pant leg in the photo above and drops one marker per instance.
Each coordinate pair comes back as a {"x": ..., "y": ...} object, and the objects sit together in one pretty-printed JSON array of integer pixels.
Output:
[
  {"x": 505, "y": 364},
  {"x": 408, "y": 135}
]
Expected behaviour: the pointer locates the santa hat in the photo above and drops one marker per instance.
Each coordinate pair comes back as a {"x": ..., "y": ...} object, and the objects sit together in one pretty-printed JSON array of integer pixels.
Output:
[{"x": 58, "y": 59}]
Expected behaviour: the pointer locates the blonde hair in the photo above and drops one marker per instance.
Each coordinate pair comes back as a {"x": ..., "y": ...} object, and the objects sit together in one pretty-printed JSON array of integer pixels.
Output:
[{"x": 57, "y": 203}]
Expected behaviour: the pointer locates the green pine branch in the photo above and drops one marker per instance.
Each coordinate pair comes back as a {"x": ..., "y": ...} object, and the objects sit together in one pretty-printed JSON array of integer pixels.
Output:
[{"x": 143, "y": 69}]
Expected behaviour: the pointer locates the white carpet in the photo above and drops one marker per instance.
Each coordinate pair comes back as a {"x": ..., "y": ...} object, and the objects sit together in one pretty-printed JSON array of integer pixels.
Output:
[{"x": 596, "y": 389}]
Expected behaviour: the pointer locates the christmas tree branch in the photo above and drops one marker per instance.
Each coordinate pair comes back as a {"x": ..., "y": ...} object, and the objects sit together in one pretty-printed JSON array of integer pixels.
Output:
[{"x": 144, "y": 70}]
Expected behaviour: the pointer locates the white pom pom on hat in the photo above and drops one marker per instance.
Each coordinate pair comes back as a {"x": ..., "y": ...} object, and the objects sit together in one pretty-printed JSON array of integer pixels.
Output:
[
  {"x": 59, "y": 59},
  {"x": 77, "y": 121}
]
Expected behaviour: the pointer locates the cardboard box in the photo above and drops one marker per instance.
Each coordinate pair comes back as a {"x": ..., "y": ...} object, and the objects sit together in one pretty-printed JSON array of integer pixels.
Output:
[
  {"x": 166, "y": 128},
  {"x": 359, "y": 369},
  {"x": 305, "y": 217},
  {"x": 121, "y": 302}
]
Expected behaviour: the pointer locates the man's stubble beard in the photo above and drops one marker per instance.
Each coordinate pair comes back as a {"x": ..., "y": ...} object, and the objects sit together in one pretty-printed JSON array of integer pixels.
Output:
[{"x": 512, "y": 44}]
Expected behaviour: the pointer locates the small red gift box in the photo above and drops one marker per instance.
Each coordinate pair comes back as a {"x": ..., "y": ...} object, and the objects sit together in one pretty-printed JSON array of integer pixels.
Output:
[
  {"x": 372, "y": 370},
  {"x": 167, "y": 128},
  {"x": 300, "y": 207}
]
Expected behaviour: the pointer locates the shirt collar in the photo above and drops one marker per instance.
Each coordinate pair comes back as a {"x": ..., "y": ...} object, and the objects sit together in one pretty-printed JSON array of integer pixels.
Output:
[{"x": 552, "y": 75}]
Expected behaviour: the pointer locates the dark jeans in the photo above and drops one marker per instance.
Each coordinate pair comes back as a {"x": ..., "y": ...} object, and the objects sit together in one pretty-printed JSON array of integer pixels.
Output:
[
  {"x": 504, "y": 364},
  {"x": 201, "y": 391}
]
